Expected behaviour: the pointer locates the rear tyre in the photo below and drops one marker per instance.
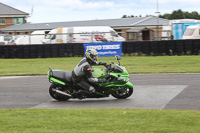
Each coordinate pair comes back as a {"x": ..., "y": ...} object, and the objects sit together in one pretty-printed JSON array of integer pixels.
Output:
[
  {"x": 56, "y": 95},
  {"x": 123, "y": 93}
]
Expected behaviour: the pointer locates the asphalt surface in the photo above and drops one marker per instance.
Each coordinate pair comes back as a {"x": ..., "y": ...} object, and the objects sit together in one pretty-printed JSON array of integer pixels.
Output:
[{"x": 151, "y": 91}]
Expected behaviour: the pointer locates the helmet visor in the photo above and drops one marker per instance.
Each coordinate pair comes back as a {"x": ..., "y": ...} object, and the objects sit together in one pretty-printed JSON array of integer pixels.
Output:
[{"x": 94, "y": 57}]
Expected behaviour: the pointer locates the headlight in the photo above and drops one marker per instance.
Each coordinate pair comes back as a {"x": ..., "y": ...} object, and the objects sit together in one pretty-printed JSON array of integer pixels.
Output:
[{"x": 126, "y": 80}]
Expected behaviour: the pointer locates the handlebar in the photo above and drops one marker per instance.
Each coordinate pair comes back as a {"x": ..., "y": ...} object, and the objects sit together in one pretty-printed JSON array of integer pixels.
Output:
[
  {"x": 114, "y": 68},
  {"x": 109, "y": 69}
]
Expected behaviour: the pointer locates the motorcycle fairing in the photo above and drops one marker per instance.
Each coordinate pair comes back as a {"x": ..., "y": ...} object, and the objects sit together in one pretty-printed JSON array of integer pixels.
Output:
[
  {"x": 115, "y": 84},
  {"x": 98, "y": 73}
]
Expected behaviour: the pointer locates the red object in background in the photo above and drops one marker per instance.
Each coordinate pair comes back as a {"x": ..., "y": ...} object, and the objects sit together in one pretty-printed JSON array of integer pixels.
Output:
[{"x": 99, "y": 37}]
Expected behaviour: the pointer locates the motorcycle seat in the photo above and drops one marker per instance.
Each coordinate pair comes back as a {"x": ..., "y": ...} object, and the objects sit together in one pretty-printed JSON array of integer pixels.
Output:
[{"x": 64, "y": 76}]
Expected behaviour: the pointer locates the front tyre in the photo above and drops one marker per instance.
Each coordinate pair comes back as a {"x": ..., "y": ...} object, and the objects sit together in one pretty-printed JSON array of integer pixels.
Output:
[
  {"x": 123, "y": 93},
  {"x": 56, "y": 95}
]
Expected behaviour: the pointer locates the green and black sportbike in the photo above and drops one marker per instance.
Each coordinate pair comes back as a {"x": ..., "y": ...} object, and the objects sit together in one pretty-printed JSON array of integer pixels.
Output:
[{"x": 62, "y": 87}]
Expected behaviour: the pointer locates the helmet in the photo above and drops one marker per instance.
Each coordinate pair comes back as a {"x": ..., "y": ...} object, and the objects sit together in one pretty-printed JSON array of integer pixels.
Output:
[{"x": 91, "y": 55}]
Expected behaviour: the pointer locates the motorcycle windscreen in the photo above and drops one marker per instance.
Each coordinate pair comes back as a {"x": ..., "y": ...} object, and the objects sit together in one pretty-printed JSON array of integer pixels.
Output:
[{"x": 98, "y": 72}]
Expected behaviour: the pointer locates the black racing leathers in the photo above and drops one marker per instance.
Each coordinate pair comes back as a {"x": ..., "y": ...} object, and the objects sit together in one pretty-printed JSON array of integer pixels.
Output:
[{"x": 82, "y": 72}]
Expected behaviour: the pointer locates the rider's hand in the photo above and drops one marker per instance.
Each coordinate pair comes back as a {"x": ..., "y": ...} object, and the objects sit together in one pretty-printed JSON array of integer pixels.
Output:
[{"x": 103, "y": 63}]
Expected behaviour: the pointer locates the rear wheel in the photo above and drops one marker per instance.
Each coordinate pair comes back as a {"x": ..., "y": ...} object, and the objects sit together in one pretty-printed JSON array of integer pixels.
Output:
[
  {"x": 123, "y": 93},
  {"x": 55, "y": 95}
]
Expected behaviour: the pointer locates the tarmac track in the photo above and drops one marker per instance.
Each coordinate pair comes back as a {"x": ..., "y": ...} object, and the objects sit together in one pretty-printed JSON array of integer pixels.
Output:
[{"x": 151, "y": 91}]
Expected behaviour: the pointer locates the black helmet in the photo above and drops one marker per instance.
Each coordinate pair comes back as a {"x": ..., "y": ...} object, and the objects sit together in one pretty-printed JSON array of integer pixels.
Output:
[{"x": 91, "y": 55}]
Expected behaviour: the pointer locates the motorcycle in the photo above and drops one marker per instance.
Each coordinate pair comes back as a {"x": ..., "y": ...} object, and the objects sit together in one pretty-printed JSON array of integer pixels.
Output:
[{"x": 118, "y": 85}]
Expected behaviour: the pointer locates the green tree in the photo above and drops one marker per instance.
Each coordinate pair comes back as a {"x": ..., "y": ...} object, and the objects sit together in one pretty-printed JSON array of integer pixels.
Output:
[
  {"x": 131, "y": 16},
  {"x": 124, "y": 16},
  {"x": 179, "y": 14}
]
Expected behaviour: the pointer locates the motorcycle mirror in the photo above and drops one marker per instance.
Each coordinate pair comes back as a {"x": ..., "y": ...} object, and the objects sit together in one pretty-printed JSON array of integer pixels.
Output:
[{"x": 117, "y": 57}]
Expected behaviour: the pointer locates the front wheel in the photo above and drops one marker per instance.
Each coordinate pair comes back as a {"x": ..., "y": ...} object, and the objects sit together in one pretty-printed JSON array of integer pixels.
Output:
[
  {"x": 56, "y": 95},
  {"x": 123, "y": 93}
]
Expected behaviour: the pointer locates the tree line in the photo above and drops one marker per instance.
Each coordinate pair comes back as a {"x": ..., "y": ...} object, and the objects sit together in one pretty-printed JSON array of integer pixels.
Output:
[{"x": 177, "y": 14}]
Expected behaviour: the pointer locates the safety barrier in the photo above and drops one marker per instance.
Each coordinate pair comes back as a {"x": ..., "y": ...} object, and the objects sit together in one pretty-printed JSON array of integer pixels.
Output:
[
  {"x": 41, "y": 51},
  {"x": 165, "y": 47}
]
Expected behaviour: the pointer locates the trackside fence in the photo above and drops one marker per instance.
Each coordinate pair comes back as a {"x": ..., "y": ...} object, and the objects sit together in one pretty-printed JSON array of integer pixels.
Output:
[
  {"x": 165, "y": 47},
  {"x": 41, "y": 51}
]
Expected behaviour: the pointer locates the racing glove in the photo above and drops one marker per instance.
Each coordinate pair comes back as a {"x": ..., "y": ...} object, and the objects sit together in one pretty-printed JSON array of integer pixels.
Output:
[{"x": 103, "y": 63}]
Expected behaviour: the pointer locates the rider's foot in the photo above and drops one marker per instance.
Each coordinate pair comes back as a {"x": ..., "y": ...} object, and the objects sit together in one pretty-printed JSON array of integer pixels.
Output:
[{"x": 92, "y": 89}]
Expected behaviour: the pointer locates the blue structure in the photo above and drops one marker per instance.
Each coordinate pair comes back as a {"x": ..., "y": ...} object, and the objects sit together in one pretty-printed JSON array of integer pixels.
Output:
[
  {"x": 178, "y": 29},
  {"x": 107, "y": 49}
]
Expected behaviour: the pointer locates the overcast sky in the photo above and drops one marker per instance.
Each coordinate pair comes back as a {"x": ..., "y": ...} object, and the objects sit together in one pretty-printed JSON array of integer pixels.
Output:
[{"x": 42, "y": 11}]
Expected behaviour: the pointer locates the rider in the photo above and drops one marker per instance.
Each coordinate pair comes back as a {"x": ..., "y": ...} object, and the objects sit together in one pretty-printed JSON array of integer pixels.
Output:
[{"x": 83, "y": 71}]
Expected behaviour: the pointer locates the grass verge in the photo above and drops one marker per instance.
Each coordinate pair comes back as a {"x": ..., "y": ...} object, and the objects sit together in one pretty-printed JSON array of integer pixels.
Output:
[
  {"x": 99, "y": 121},
  {"x": 134, "y": 64}
]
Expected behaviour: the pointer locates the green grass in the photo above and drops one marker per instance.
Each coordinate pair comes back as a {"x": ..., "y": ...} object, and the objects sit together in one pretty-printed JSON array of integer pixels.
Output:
[
  {"x": 134, "y": 64},
  {"x": 99, "y": 121}
]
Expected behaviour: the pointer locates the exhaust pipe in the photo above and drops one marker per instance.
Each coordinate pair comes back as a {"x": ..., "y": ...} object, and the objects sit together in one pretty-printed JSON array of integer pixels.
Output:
[{"x": 63, "y": 93}]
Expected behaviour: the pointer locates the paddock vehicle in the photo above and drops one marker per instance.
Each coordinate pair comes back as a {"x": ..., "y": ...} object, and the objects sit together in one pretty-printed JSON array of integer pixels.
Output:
[{"x": 85, "y": 34}]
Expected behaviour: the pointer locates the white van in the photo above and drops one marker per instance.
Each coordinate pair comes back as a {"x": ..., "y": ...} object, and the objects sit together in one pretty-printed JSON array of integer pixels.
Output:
[
  {"x": 83, "y": 35},
  {"x": 35, "y": 38},
  {"x": 93, "y": 34},
  {"x": 5, "y": 38},
  {"x": 58, "y": 35},
  {"x": 192, "y": 32}
]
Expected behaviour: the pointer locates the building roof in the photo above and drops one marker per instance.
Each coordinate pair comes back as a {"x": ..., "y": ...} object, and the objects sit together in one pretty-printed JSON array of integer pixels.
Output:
[
  {"x": 137, "y": 29},
  {"x": 7, "y": 10},
  {"x": 121, "y": 22}
]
